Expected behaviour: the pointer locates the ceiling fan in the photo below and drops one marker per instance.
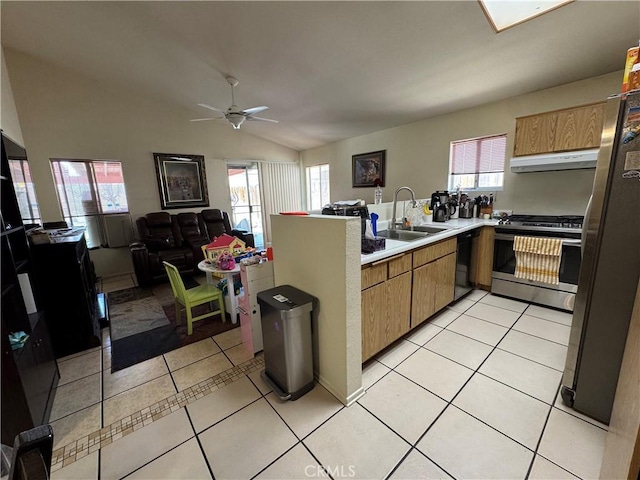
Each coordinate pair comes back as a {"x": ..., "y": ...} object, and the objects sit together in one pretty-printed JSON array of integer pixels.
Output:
[{"x": 234, "y": 115}]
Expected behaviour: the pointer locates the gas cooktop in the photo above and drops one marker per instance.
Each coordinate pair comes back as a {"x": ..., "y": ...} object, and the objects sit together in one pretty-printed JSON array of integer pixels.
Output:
[{"x": 542, "y": 222}]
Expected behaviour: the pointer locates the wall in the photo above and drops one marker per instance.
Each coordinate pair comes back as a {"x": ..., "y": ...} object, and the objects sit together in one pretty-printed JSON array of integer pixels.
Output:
[
  {"x": 418, "y": 153},
  {"x": 65, "y": 114},
  {"x": 328, "y": 246},
  {"x": 8, "y": 115}
]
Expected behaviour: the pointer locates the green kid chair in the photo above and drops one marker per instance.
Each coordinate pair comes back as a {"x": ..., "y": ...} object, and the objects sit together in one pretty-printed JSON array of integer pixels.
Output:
[{"x": 192, "y": 298}]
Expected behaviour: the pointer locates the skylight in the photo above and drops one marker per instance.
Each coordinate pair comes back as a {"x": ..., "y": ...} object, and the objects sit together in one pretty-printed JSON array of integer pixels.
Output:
[{"x": 503, "y": 14}]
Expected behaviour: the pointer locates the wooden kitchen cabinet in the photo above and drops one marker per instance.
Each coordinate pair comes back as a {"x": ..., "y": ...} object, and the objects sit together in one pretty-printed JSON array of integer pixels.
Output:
[
  {"x": 565, "y": 130},
  {"x": 433, "y": 279},
  {"x": 579, "y": 128},
  {"x": 535, "y": 134},
  {"x": 385, "y": 304},
  {"x": 482, "y": 258}
]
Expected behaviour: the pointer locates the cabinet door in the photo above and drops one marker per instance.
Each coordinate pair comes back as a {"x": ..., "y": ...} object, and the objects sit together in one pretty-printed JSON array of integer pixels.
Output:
[
  {"x": 482, "y": 258},
  {"x": 398, "y": 320},
  {"x": 535, "y": 134},
  {"x": 423, "y": 293},
  {"x": 374, "y": 317},
  {"x": 445, "y": 275},
  {"x": 579, "y": 128}
]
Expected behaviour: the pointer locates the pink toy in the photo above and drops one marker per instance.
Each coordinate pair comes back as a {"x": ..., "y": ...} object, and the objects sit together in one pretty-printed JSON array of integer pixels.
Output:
[{"x": 226, "y": 261}]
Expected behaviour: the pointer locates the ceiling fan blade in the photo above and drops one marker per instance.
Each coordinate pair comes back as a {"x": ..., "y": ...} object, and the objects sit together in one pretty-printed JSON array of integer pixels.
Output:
[
  {"x": 204, "y": 119},
  {"x": 210, "y": 107},
  {"x": 251, "y": 111},
  {"x": 260, "y": 119}
]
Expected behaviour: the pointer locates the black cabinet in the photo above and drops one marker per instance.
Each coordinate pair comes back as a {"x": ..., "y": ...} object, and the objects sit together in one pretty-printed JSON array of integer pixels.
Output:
[
  {"x": 66, "y": 282},
  {"x": 29, "y": 370}
]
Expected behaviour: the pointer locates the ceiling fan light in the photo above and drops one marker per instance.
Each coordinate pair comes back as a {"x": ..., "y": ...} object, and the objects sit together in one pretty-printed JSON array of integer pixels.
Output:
[{"x": 236, "y": 120}]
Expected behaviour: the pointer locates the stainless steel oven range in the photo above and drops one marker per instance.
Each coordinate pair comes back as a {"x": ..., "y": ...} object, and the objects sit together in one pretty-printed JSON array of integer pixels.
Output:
[{"x": 503, "y": 282}]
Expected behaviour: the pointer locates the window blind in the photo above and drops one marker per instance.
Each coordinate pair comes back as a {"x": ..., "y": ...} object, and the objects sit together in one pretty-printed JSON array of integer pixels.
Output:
[
  {"x": 478, "y": 155},
  {"x": 281, "y": 190}
]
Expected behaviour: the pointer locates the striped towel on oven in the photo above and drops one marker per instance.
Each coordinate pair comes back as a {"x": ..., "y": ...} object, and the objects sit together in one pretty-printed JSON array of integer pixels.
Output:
[{"x": 538, "y": 258}]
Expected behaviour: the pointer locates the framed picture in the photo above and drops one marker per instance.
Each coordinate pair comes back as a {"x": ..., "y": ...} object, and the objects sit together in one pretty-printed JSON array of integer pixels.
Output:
[
  {"x": 182, "y": 180},
  {"x": 367, "y": 168}
]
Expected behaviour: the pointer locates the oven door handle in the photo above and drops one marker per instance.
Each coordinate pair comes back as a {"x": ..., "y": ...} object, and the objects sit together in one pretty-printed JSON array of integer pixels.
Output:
[{"x": 569, "y": 242}]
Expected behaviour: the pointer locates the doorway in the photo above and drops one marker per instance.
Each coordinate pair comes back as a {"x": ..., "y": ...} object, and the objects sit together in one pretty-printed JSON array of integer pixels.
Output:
[{"x": 246, "y": 209}]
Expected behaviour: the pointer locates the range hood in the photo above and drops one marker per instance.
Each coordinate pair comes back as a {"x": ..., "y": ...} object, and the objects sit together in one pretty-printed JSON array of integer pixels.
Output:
[{"x": 555, "y": 161}]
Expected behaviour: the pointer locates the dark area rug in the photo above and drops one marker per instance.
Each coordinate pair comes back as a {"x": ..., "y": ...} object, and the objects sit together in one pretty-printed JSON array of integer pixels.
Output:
[{"x": 142, "y": 345}]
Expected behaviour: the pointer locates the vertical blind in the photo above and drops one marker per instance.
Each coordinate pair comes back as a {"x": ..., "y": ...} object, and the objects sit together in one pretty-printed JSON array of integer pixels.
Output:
[
  {"x": 281, "y": 190},
  {"x": 479, "y": 155}
]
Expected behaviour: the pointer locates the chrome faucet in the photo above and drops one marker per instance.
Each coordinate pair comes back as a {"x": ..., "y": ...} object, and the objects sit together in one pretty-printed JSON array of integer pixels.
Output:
[{"x": 395, "y": 202}]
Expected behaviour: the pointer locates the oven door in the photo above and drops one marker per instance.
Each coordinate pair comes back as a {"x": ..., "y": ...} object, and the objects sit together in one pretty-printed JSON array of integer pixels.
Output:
[{"x": 505, "y": 283}]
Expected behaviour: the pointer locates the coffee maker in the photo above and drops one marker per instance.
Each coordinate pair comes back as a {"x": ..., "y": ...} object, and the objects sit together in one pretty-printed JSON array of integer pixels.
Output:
[{"x": 440, "y": 206}]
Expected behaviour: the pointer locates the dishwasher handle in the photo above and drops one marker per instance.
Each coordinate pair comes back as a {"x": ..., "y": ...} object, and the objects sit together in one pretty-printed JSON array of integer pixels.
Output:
[{"x": 467, "y": 235}]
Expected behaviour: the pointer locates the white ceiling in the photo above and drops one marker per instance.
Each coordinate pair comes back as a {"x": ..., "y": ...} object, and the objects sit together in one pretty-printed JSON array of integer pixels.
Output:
[{"x": 327, "y": 70}]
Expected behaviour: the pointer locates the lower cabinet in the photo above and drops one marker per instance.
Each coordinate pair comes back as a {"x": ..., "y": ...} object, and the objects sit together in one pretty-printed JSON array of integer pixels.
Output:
[
  {"x": 482, "y": 258},
  {"x": 433, "y": 288},
  {"x": 434, "y": 271},
  {"x": 386, "y": 306}
]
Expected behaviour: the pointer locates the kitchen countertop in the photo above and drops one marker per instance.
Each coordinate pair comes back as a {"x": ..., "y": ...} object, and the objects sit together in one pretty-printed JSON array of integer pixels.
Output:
[{"x": 454, "y": 227}]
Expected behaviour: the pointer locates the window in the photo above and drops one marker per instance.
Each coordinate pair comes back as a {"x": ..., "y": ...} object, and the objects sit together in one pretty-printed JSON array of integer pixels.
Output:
[
  {"x": 478, "y": 163},
  {"x": 88, "y": 189},
  {"x": 246, "y": 210},
  {"x": 317, "y": 186},
  {"x": 23, "y": 186}
]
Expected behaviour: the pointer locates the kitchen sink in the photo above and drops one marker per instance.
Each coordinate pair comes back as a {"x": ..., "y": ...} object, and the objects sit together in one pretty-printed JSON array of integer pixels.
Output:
[
  {"x": 428, "y": 229},
  {"x": 403, "y": 235}
]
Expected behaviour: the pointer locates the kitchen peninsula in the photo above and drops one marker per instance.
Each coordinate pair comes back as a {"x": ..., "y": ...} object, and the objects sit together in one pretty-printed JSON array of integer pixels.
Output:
[{"x": 320, "y": 254}]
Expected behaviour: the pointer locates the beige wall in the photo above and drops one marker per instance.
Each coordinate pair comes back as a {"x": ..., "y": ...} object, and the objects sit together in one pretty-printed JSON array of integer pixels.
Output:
[
  {"x": 8, "y": 115},
  {"x": 320, "y": 255},
  {"x": 65, "y": 114},
  {"x": 418, "y": 153}
]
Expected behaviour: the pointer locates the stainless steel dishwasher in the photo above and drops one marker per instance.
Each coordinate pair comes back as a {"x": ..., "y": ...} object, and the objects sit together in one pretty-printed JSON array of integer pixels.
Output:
[{"x": 463, "y": 263}]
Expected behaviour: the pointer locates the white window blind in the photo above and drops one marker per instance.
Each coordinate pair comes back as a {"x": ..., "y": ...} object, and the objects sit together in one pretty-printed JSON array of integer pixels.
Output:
[
  {"x": 478, "y": 163},
  {"x": 479, "y": 155},
  {"x": 281, "y": 190}
]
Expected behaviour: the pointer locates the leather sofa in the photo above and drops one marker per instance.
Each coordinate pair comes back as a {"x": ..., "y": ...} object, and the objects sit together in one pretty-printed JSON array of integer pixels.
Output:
[{"x": 177, "y": 239}]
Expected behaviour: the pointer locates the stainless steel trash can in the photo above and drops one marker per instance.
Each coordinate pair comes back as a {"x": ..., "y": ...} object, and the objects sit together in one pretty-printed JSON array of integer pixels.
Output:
[{"x": 286, "y": 333}]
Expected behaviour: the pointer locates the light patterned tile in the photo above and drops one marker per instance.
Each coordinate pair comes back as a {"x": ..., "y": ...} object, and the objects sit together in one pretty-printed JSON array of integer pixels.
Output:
[
  {"x": 372, "y": 372},
  {"x": 417, "y": 466},
  {"x": 402, "y": 405},
  {"x": 135, "y": 398},
  {"x": 297, "y": 463},
  {"x": 85, "y": 468},
  {"x": 506, "y": 303},
  {"x": 148, "y": 443},
  {"x": 188, "y": 354},
  {"x": 77, "y": 425},
  {"x": 467, "y": 448},
  {"x": 79, "y": 367},
  {"x": 354, "y": 439},
  {"x": 462, "y": 305},
  {"x": 537, "y": 349},
  {"x": 459, "y": 348},
  {"x": 228, "y": 339},
  {"x": 538, "y": 327},
  {"x": 133, "y": 376},
  {"x": 75, "y": 396},
  {"x": 550, "y": 314},
  {"x": 201, "y": 370},
  {"x": 477, "y": 329},
  {"x": 490, "y": 313},
  {"x": 249, "y": 428},
  {"x": 308, "y": 412},
  {"x": 574, "y": 444},
  {"x": 184, "y": 462},
  {"x": 238, "y": 354},
  {"x": 424, "y": 333},
  {"x": 397, "y": 353}
]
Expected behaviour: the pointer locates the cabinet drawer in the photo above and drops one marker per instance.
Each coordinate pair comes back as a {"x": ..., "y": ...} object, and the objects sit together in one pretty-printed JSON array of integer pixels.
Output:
[
  {"x": 374, "y": 274},
  {"x": 433, "y": 252},
  {"x": 399, "y": 265}
]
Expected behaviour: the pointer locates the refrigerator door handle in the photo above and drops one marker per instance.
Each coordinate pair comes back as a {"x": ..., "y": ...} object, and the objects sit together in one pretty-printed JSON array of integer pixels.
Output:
[{"x": 585, "y": 222}]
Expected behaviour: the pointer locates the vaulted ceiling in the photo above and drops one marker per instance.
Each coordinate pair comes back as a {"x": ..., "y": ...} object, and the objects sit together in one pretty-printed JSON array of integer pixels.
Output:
[{"x": 327, "y": 70}]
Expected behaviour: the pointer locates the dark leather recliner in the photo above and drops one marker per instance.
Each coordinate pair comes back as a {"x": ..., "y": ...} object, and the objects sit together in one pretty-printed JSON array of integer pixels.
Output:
[
  {"x": 192, "y": 232},
  {"x": 160, "y": 241},
  {"x": 216, "y": 222}
]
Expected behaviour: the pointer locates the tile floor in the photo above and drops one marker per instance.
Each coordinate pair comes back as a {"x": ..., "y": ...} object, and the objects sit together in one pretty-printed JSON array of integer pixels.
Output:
[{"x": 471, "y": 394}]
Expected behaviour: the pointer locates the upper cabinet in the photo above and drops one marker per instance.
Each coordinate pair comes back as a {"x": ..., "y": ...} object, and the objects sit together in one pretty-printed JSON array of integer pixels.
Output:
[{"x": 559, "y": 131}]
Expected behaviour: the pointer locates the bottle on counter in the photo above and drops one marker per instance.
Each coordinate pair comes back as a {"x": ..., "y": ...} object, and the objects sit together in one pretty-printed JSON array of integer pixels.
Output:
[{"x": 378, "y": 195}]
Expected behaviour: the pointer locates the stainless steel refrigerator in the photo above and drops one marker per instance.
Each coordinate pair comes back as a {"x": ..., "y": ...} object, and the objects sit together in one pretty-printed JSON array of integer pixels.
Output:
[{"x": 610, "y": 265}]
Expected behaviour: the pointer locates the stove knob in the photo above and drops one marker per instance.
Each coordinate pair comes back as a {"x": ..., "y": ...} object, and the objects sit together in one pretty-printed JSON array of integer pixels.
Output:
[
  {"x": 500, "y": 222},
  {"x": 508, "y": 222}
]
